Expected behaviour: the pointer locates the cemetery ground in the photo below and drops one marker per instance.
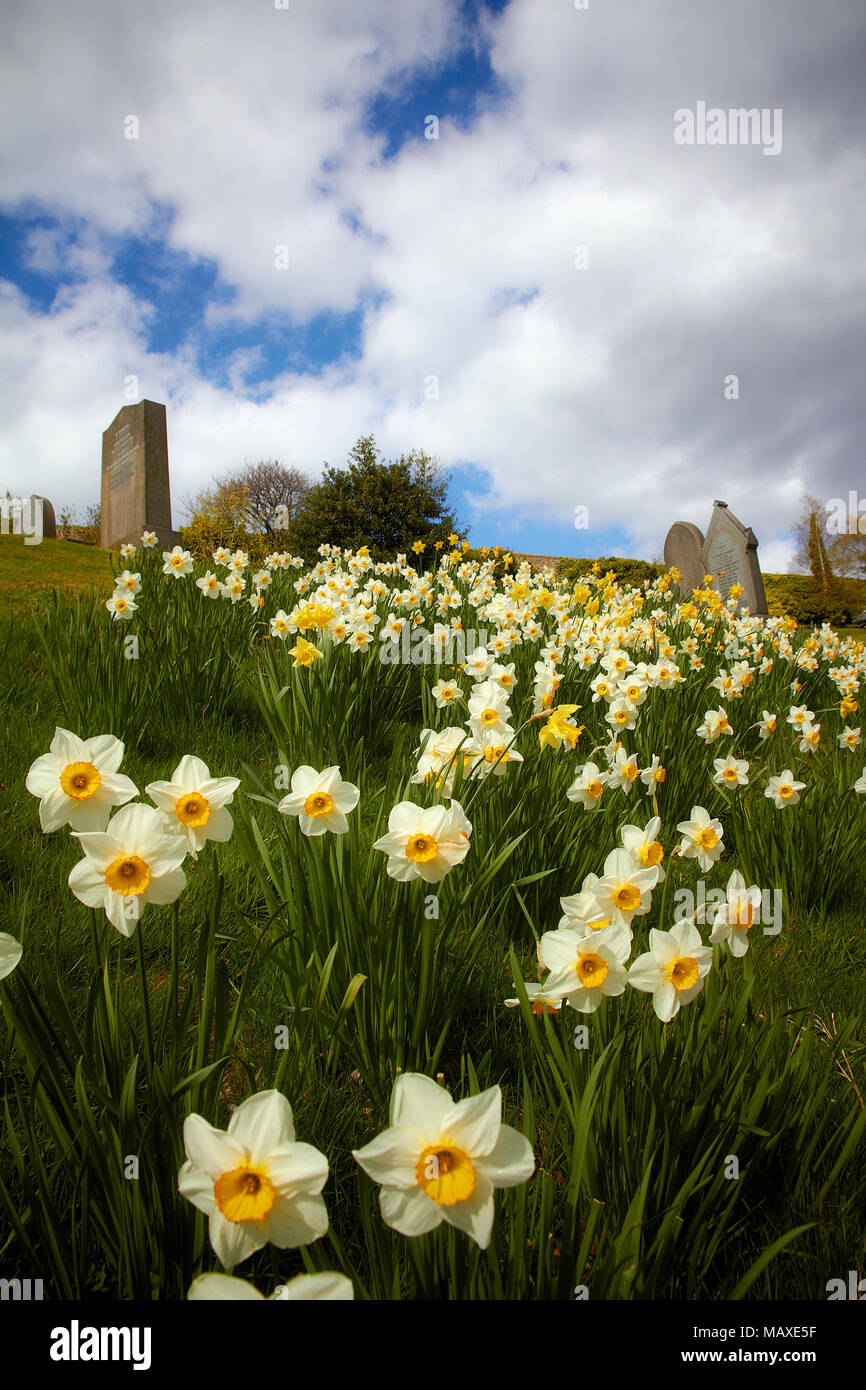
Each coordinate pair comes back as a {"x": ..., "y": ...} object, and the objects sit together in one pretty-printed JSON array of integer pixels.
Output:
[{"x": 107, "y": 1043}]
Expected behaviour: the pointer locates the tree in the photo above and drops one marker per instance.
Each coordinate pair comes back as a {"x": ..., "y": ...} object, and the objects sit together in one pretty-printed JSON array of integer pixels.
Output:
[
  {"x": 822, "y": 547},
  {"x": 268, "y": 487},
  {"x": 386, "y": 506}
]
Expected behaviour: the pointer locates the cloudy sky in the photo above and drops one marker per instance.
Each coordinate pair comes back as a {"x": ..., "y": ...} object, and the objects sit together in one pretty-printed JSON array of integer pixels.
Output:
[{"x": 550, "y": 296}]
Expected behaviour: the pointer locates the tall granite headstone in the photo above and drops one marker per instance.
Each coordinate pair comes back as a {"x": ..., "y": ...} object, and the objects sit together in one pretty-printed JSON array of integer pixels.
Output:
[
  {"x": 135, "y": 487},
  {"x": 729, "y": 552}
]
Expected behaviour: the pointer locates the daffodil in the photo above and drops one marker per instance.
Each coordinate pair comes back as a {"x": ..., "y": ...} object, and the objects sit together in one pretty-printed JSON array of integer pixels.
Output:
[
  {"x": 624, "y": 891},
  {"x": 558, "y": 728},
  {"x": 441, "y": 1160},
  {"x": 255, "y": 1183},
  {"x": 11, "y": 951},
  {"x": 731, "y": 772},
  {"x": 644, "y": 845},
  {"x": 586, "y": 966},
  {"x": 131, "y": 863},
  {"x": 78, "y": 783},
  {"x": 304, "y": 652},
  {"x": 540, "y": 1002},
  {"x": 194, "y": 803},
  {"x": 227, "y": 1288},
  {"x": 733, "y": 919},
  {"x": 425, "y": 843},
  {"x": 784, "y": 790},
  {"x": 588, "y": 786},
  {"x": 210, "y": 585},
  {"x": 320, "y": 800},
  {"x": 121, "y": 606},
  {"x": 860, "y": 784},
  {"x": 178, "y": 562},
  {"x": 673, "y": 970},
  {"x": 702, "y": 838}
]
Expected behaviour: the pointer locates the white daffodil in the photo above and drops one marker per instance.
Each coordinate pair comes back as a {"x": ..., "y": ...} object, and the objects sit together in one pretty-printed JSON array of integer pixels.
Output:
[
  {"x": 623, "y": 770},
  {"x": 767, "y": 725},
  {"x": 849, "y": 738},
  {"x": 254, "y": 1182},
  {"x": 673, "y": 970},
  {"x": 121, "y": 606},
  {"x": 227, "y": 1288},
  {"x": 131, "y": 863},
  {"x": 320, "y": 800},
  {"x": 78, "y": 783},
  {"x": 210, "y": 585},
  {"x": 860, "y": 784},
  {"x": 653, "y": 776},
  {"x": 622, "y": 714},
  {"x": 588, "y": 786},
  {"x": 127, "y": 551},
  {"x": 495, "y": 754},
  {"x": 624, "y": 891},
  {"x": 177, "y": 562},
  {"x": 799, "y": 716},
  {"x": 783, "y": 790},
  {"x": 733, "y": 919},
  {"x": 437, "y": 755},
  {"x": 441, "y": 1160},
  {"x": 234, "y": 587},
  {"x": 714, "y": 724},
  {"x": 280, "y": 625},
  {"x": 811, "y": 737},
  {"x": 148, "y": 539},
  {"x": 582, "y": 909},
  {"x": 10, "y": 953},
  {"x": 127, "y": 583},
  {"x": 731, "y": 772},
  {"x": 540, "y": 1002},
  {"x": 585, "y": 967},
  {"x": 488, "y": 709},
  {"x": 702, "y": 838},
  {"x": 194, "y": 803},
  {"x": 644, "y": 845},
  {"x": 425, "y": 843},
  {"x": 445, "y": 692}
]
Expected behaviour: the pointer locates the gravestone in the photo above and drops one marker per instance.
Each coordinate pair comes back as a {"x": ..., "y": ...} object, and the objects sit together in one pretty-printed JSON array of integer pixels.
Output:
[
  {"x": 730, "y": 555},
  {"x": 49, "y": 521},
  {"x": 729, "y": 552},
  {"x": 135, "y": 488},
  {"x": 683, "y": 548}
]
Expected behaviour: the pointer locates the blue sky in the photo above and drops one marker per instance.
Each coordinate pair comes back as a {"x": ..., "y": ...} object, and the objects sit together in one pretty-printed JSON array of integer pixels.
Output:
[{"x": 433, "y": 294}]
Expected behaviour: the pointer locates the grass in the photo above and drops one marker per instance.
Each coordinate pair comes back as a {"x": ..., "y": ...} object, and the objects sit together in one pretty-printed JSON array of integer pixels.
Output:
[{"x": 28, "y": 573}]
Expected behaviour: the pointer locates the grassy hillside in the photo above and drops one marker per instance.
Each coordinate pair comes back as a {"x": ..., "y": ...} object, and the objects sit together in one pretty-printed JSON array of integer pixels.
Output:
[{"x": 28, "y": 573}]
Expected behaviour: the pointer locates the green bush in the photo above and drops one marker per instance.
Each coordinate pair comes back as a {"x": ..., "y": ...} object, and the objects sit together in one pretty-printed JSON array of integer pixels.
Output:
[{"x": 801, "y": 596}]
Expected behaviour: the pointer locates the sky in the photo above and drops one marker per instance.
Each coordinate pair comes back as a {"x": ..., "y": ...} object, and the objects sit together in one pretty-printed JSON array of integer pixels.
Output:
[{"x": 486, "y": 230}]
